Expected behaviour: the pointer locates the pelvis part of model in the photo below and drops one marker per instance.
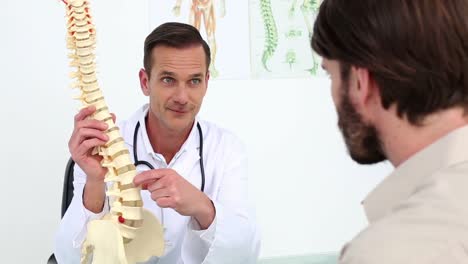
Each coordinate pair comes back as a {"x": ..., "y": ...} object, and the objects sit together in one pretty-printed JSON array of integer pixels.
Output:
[{"x": 128, "y": 233}]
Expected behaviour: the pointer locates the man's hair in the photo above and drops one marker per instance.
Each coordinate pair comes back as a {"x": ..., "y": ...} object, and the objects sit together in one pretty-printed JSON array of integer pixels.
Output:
[
  {"x": 174, "y": 35},
  {"x": 415, "y": 50}
]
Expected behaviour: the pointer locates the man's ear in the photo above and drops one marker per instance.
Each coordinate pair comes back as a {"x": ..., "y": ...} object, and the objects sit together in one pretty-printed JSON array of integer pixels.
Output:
[
  {"x": 366, "y": 95},
  {"x": 207, "y": 78},
  {"x": 144, "y": 80},
  {"x": 362, "y": 90}
]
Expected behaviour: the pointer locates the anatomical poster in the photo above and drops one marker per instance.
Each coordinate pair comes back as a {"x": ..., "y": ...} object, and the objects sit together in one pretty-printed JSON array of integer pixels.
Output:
[
  {"x": 224, "y": 24},
  {"x": 280, "y": 39}
]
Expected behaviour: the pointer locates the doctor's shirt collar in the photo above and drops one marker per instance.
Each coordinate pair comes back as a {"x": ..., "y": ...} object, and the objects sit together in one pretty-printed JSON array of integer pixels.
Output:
[{"x": 190, "y": 144}]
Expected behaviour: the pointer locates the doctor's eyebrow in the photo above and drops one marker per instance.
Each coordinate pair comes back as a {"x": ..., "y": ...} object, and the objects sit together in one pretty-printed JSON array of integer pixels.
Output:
[
  {"x": 172, "y": 74},
  {"x": 166, "y": 73},
  {"x": 197, "y": 75}
]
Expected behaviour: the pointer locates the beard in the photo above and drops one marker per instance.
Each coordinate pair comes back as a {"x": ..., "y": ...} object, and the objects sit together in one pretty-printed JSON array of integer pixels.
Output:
[{"x": 362, "y": 140}]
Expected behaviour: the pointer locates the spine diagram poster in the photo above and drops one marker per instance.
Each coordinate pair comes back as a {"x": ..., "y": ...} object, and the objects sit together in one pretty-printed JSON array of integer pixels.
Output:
[
  {"x": 258, "y": 39},
  {"x": 280, "y": 38}
]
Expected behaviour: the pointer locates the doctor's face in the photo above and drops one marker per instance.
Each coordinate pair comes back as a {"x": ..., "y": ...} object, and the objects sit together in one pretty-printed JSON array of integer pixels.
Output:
[
  {"x": 361, "y": 138},
  {"x": 176, "y": 86}
]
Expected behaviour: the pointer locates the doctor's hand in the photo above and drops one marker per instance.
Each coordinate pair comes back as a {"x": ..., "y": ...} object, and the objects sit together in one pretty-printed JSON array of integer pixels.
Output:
[
  {"x": 170, "y": 190},
  {"x": 88, "y": 134}
]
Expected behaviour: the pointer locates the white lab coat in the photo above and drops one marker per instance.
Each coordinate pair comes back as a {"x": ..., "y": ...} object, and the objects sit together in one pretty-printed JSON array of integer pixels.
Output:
[{"x": 231, "y": 238}]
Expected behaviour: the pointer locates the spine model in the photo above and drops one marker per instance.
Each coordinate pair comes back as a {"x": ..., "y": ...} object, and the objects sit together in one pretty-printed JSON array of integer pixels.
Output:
[{"x": 128, "y": 233}]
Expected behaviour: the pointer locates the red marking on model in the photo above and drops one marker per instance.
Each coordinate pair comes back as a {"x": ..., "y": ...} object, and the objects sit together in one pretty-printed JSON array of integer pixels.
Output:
[{"x": 121, "y": 219}]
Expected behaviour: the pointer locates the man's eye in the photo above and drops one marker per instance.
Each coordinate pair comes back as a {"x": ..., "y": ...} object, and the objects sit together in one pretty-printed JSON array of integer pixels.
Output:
[
  {"x": 196, "y": 81},
  {"x": 167, "y": 80}
]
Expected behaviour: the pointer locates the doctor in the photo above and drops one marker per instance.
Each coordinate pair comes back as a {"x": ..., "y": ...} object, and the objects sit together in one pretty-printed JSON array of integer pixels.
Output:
[{"x": 198, "y": 187}]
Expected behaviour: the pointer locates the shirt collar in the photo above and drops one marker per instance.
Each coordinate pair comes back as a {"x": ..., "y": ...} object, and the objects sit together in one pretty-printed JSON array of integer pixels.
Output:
[
  {"x": 191, "y": 144},
  {"x": 405, "y": 179}
]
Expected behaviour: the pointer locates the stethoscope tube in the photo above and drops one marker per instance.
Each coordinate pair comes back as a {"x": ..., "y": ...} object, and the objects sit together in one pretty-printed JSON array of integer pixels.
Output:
[{"x": 146, "y": 163}]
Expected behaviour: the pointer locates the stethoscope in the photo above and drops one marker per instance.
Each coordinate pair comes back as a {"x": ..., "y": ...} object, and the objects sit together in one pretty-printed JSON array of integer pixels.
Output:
[{"x": 147, "y": 164}]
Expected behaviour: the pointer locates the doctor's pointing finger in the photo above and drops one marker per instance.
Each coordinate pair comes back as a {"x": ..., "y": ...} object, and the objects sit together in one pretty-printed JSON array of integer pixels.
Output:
[{"x": 170, "y": 190}]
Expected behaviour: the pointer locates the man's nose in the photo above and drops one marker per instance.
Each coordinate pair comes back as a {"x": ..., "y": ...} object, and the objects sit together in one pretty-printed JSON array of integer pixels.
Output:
[{"x": 181, "y": 95}]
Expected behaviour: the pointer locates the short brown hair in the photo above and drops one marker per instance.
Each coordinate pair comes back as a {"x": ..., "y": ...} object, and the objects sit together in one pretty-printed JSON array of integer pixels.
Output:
[
  {"x": 174, "y": 35},
  {"x": 415, "y": 50}
]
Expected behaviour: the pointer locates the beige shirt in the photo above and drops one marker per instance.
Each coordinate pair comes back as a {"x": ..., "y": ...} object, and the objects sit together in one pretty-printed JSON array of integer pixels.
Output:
[{"x": 419, "y": 214}]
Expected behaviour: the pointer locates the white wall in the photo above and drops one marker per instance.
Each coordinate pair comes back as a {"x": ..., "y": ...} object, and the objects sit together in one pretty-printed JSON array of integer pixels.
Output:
[{"x": 307, "y": 190}]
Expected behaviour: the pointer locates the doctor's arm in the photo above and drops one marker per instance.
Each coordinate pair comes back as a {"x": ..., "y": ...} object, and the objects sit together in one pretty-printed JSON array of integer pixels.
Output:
[
  {"x": 72, "y": 229},
  {"x": 232, "y": 236},
  {"x": 88, "y": 201}
]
